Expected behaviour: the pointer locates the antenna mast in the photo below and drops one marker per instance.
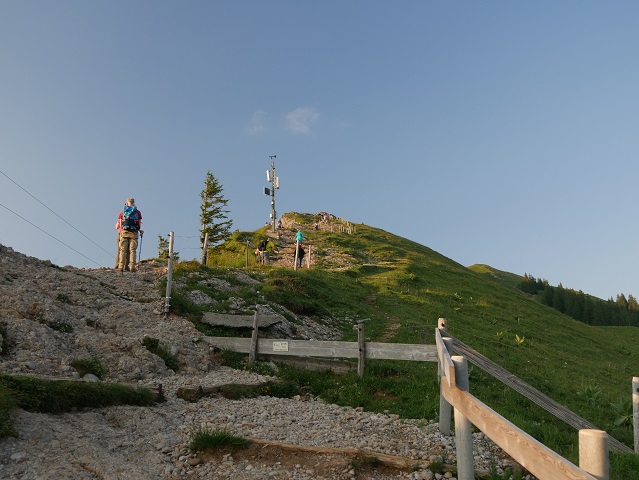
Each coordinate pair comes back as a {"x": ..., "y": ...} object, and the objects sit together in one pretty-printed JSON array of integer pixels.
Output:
[{"x": 275, "y": 184}]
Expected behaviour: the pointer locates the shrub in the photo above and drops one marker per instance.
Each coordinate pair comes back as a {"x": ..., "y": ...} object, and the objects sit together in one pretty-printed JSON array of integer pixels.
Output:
[{"x": 89, "y": 365}]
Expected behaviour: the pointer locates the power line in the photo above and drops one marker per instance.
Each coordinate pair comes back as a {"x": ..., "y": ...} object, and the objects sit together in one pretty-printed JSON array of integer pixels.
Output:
[
  {"x": 54, "y": 214},
  {"x": 91, "y": 260}
]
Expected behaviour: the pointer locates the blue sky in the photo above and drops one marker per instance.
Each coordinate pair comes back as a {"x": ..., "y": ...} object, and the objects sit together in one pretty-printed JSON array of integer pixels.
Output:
[{"x": 504, "y": 133}]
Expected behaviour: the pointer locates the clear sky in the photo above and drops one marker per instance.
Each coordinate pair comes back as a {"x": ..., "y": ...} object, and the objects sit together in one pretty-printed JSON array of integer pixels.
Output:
[{"x": 501, "y": 132}]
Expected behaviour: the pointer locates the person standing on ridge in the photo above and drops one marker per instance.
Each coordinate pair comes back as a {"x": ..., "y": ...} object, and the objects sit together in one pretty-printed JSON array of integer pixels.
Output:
[{"x": 129, "y": 223}]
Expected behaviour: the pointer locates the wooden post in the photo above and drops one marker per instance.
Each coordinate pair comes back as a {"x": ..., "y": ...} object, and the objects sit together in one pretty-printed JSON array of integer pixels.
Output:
[
  {"x": 361, "y": 345},
  {"x": 308, "y": 257},
  {"x": 441, "y": 323},
  {"x": 247, "y": 251},
  {"x": 253, "y": 350},
  {"x": 169, "y": 277},
  {"x": 635, "y": 410},
  {"x": 297, "y": 243},
  {"x": 593, "y": 453},
  {"x": 205, "y": 248},
  {"x": 463, "y": 427},
  {"x": 445, "y": 409}
]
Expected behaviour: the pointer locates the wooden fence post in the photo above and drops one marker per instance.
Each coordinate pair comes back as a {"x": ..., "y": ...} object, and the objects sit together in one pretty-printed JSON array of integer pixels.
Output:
[
  {"x": 169, "y": 277},
  {"x": 441, "y": 323},
  {"x": 593, "y": 453},
  {"x": 361, "y": 345},
  {"x": 635, "y": 410},
  {"x": 445, "y": 409},
  {"x": 253, "y": 350},
  {"x": 297, "y": 243},
  {"x": 463, "y": 426}
]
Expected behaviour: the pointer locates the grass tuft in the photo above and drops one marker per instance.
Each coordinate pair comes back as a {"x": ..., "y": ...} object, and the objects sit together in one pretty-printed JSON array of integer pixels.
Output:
[{"x": 212, "y": 439}]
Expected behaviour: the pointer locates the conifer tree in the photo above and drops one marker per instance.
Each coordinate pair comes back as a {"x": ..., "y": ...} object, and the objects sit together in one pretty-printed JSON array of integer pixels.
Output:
[{"x": 213, "y": 212}]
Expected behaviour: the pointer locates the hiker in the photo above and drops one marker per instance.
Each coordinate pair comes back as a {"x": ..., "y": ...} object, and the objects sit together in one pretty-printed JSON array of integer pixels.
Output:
[
  {"x": 129, "y": 223},
  {"x": 269, "y": 250},
  {"x": 261, "y": 251},
  {"x": 299, "y": 236},
  {"x": 279, "y": 224},
  {"x": 300, "y": 254}
]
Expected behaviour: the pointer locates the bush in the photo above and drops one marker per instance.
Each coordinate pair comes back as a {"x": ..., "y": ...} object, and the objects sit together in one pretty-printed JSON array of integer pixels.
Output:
[{"x": 89, "y": 365}]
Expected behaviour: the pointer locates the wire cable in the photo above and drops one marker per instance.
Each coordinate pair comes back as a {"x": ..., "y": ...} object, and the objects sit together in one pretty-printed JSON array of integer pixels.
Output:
[
  {"x": 53, "y": 213},
  {"x": 44, "y": 231}
]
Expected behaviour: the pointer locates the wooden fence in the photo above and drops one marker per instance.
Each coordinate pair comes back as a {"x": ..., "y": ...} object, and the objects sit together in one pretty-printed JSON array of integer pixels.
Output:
[
  {"x": 326, "y": 349},
  {"x": 533, "y": 455},
  {"x": 538, "y": 459}
]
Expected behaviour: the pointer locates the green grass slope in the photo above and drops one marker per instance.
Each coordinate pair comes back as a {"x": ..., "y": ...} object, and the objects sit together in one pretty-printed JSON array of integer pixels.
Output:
[{"x": 404, "y": 287}]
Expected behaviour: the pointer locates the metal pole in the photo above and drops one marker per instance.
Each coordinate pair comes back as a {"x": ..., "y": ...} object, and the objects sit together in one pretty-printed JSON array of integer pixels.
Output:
[
  {"x": 205, "y": 248},
  {"x": 169, "y": 276},
  {"x": 273, "y": 182}
]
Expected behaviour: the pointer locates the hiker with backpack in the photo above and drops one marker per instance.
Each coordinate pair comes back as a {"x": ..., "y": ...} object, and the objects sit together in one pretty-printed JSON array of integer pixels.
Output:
[
  {"x": 261, "y": 252},
  {"x": 129, "y": 223}
]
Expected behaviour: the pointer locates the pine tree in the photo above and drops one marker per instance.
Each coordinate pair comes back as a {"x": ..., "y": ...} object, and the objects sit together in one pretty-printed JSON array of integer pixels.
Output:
[
  {"x": 163, "y": 248},
  {"x": 213, "y": 214}
]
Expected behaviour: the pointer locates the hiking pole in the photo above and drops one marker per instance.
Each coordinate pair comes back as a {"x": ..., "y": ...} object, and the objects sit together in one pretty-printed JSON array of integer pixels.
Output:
[{"x": 140, "y": 254}]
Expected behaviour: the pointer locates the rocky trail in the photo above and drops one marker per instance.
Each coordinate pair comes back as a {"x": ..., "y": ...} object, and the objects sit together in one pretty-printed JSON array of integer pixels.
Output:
[{"x": 52, "y": 316}]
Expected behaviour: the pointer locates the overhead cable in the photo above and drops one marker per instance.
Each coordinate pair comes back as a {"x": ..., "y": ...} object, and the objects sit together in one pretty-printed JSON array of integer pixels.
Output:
[
  {"x": 44, "y": 231},
  {"x": 32, "y": 196}
]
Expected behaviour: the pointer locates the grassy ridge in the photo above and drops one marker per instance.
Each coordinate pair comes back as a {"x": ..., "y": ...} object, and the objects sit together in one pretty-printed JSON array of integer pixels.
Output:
[{"x": 404, "y": 287}]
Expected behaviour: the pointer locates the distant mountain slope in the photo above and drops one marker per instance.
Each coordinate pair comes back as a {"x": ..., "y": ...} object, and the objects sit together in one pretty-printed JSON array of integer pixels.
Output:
[{"x": 507, "y": 278}]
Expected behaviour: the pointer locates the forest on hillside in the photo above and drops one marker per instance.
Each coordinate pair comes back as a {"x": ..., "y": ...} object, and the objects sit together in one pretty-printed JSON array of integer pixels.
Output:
[{"x": 588, "y": 309}]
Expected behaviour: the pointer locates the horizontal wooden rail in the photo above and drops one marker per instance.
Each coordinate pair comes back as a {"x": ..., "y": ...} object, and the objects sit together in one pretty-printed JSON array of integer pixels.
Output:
[{"x": 330, "y": 349}]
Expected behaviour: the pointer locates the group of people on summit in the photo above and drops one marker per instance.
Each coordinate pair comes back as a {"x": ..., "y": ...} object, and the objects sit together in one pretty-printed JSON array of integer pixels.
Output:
[{"x": 266, "y": 248}]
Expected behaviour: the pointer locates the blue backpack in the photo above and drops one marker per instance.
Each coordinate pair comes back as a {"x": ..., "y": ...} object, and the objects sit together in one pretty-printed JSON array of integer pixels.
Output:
[{"x": 130, "y": 218}]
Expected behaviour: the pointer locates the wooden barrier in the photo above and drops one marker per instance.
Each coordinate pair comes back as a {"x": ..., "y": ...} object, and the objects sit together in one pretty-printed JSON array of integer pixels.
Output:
[
  {"x": 328, "y": 349},
  {"x": 538, "y": 459}
]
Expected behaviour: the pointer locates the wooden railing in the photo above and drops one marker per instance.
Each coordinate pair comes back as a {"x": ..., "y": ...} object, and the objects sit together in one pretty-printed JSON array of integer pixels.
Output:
[{"x": 538, "y": 459}]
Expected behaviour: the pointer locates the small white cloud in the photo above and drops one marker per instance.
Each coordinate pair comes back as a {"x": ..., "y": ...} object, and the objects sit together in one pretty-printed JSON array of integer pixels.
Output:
[
  {"x": 301, "y": 119},
  {"x": 257, "y": 122}
]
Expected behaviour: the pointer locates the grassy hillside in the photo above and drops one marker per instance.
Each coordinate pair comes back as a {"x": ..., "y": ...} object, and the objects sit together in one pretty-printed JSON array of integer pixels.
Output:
[{"x": 404, "y": 287}]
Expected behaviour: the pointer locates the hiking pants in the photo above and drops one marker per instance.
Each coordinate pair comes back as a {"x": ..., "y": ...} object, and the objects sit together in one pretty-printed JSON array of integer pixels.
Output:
[{"x": 128, "y": 246}]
